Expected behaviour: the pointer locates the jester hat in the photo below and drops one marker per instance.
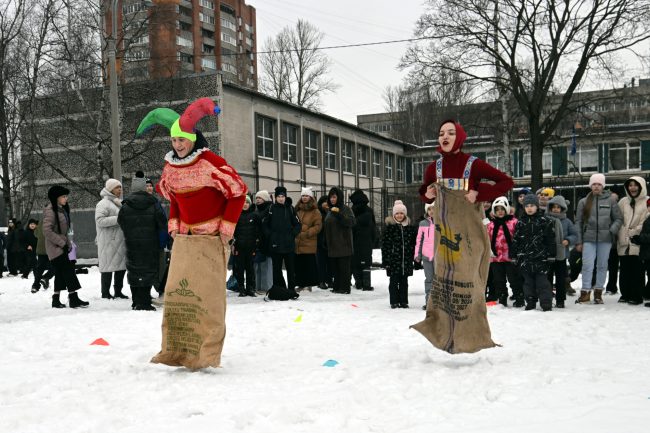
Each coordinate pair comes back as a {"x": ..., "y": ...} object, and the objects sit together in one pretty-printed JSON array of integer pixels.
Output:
[{"x": 179, "y": 125}]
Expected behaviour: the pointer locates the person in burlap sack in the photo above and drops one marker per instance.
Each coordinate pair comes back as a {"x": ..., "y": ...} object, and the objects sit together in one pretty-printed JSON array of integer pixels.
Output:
[
  {"x": 456, "y": 317},
  {"x": 206, "y": 197}
]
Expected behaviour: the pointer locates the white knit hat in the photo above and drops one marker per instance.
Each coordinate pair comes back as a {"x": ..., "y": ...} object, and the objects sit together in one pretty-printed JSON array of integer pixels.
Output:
[
  {"x": 597, "y": 178},
  {"x": 111, "y": 184},
  {"x": 307, "y": 191},
  {"x": 503, "y": 202},
  {"x": 398, "y": 207},
  {"x": 264, "y": 195},
  {"x": 427, "y": 206}
]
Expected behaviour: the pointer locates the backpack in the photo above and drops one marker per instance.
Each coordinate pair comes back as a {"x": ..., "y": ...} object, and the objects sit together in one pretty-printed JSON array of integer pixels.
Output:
[{"x": 280, "y": 293}]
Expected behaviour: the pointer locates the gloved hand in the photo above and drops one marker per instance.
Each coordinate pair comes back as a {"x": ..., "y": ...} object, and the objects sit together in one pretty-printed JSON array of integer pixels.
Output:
[{"x": 636, "y": 239}]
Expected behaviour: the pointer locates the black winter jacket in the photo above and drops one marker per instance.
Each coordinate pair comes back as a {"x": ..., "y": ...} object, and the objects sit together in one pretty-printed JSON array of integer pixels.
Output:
[
  {"x": 15, "y": 240},
  {"x": 281, "y": 226},
  {"x": 643, "y": 239},
  {"x": 364, "y": 232},
  {"x": 263, "y": 246},
  {"x": 29, "y": 240},
  {"x": 533, "y": 245},
  {"x": 248, "y": 232},
  {"x": 338, "y": 227},
  {"x": 141, "y": 221},
  {"x": 398, "y": 247}
]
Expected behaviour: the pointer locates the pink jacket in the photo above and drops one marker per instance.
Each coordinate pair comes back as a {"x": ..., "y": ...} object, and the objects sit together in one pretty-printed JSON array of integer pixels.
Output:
[
  {"x": 424, "y": 241},
  {"x": 503, "y": 255}
]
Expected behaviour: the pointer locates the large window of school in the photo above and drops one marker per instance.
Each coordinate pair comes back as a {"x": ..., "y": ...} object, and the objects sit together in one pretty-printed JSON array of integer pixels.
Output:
[
  {"x": 376, "y": 163},
  {"x": 362, "y": 160},
  {"x": 547, "y": 162},
  {"x": 390, "y": 163},
  {"x": 331, "y": 143},
  {"x": 289, "y": 142},
  {"x": 265, "y": 136},
  {"x": 400, "y": 169},
  {"x": 624, "y": 156},
  {"x": 347, "y": 153},
  {"x": 312, "y": 147}
]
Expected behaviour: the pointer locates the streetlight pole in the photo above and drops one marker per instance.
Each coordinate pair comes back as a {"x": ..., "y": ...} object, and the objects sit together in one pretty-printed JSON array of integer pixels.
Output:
[{"x": 115, "y": 107}]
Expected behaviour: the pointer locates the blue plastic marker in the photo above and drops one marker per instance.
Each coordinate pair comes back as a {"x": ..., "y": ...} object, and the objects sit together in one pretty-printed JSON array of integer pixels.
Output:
[{"x": 330, "y": 363}]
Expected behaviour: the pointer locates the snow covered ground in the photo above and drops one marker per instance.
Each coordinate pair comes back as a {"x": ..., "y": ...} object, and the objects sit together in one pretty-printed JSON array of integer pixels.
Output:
[{"x": 582, "y": 369}]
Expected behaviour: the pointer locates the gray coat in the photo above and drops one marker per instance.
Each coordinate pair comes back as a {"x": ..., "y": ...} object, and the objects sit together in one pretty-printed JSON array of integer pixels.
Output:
[
  {"x": 55, "y": 239},
  {"x": 605, "y": 219},
  {"x": 568, "y": 229},
  {"x": 111, "y": 248}
]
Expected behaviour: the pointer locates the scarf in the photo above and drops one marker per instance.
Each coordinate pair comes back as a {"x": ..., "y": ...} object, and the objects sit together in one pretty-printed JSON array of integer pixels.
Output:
[{"x": 500, "y": 223}]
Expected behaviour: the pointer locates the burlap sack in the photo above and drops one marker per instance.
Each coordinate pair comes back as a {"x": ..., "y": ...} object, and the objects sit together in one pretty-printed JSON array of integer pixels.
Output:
[
  {"x": 194, "y": 318},
  {"x": 456, "y": 318}
]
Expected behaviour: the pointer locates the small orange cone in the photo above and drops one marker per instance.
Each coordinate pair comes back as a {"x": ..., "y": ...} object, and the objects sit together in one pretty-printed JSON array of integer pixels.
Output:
[
  {"x": 99, "y": 342},
  {"x": 491, "y": 303}
]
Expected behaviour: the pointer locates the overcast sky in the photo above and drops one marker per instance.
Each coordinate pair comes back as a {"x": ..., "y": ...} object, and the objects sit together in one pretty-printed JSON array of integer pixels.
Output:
[{"x": 363, "y": 72}]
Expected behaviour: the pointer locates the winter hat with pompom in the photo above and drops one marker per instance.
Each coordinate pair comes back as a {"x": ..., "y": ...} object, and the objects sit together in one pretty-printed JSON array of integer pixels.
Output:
[{"x": 398, "y": 207}]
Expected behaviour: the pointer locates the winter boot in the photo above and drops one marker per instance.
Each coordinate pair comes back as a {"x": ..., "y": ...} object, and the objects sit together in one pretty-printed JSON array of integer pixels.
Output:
[
  {"x": 251, "y": 292},
  {"x": 242, "y": 292},
  {"x": 598, "y": 296},
  {"x": 75, "y": 302},
  {"x": 585, "y": 297},
  {"x": 323, "y": 286},
  {"x": 519, "y": 302},
  {"x": 106, "y": 294},
  {"x": 546, "y": 307},
  {"x": 559, "y": 304},
  {"x": 45, "y": 282},
  {"x": 56, "y": 302},
  {"x": 119, "y": 294},
  {"x": 36, "y": 288},
  {"x": 503, "y": 299},
  {"x": 531, "y": 303}
]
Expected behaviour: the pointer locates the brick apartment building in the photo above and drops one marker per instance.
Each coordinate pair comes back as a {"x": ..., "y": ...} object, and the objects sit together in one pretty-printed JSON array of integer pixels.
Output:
[{"x": 169, "y": 38}]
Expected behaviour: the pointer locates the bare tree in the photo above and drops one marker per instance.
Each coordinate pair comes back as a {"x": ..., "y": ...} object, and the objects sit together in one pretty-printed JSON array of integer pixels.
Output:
[
  {"x": 531, "y": 49},
  {"x": 294, "y": 69}
]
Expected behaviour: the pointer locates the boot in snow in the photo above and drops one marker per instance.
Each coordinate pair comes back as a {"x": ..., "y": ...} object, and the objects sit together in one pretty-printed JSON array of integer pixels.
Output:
[
  {"x": 531, "y": 303},
  {"x": 75, "y": 302},
  {"x": 251, "y": 292},
  {"x": 585, "y": 297},
  {"x": 56, "y": 302},
  {"x": 598, "y": 296},
  {"x": 119, "y": 294}
]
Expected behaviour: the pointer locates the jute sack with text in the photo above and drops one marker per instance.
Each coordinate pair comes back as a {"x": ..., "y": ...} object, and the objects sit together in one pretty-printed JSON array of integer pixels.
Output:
[
  {"x": 456, "y": 318},
  {"x": 194, "y": 317}
]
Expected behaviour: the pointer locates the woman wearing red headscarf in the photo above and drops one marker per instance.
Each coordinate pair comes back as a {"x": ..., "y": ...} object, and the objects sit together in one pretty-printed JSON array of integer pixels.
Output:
[{"x": 457, "y": 170}]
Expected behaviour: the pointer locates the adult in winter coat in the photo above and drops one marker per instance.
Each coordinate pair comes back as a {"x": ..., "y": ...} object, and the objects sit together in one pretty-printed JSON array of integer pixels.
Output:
[
  {"x": 29, "y": 241},
  {"x": 248, "y": 234},
  {"x": 43, "y": 271},
  {"x": 15, "y": 247},
  {"x": 322, "y": 258},
  {"x": 111, "y": 248},
  {"x": 56, "y": 225},
  {"x": 643, "y": 240},
  {"x": 424, "y": 249},
  {"x": 397, "y": 251},
  {"x": 534, "y": 248},
  {"x": 338, "y": 232},
  {"x": 634, "y": 210},
  {"x": 141, "y": 219},
  {"x": 307, "y": 240},
  {"x": 263, "y": 262},
  {"x": 364, "y": 234},
  {"x": 598, "y": 220},
  {"x": 501, "y": 232},
  {"x": 566, "y": 236},
  {"x": 281, "y": 226}
]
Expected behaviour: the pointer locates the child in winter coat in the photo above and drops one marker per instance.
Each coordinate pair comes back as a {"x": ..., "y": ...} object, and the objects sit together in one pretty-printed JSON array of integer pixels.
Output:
[
  {"x": 534, "y": 248},
  {"x": 501, "y": 231},
  {"x": 248, "y": 234},
  {"x": 397, "y": 248},
  {"x": 424, "y": 249},
  {"x": 566, "y": 236}
]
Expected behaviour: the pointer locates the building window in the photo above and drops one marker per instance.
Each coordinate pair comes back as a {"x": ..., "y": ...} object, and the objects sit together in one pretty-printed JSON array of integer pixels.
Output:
[
  {"x": 228, "y": 39},
  {"x": 401, "y": 169},
  {"x": 547, "y": 162},
  {"x": 206, "y": 18},
  {"x": 184, "y": 42},
  {"x": 348, "y": 156},
  {"x": 289, "y": 143},
  {"x": 265, "y": 131},
  {"x": 362, "y": 160},
  {"x": 625, "y": 156},
  {"x": 312, "y": 141},
  {"x": 207, "y": 4},
  {"x": 227, "y": 67},
  {"x": 496, "y": 159},
  {"x": 228, "y": 24},
  {"x": 208, "y": 63},
  {"x": 249, "y": 28},
  {"x": 226, "y": 9},
  {"x": 331, "y": 143},
  {"x": 588, "y": 159},
  {"x": 389, "y": 166},
  {"x": 376, "y": 163}
]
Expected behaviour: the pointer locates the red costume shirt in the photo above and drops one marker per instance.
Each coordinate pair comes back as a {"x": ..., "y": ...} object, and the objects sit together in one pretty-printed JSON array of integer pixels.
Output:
[
  {"x": 453, "y": 166},
  {"x": 206, "y": 195}
]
